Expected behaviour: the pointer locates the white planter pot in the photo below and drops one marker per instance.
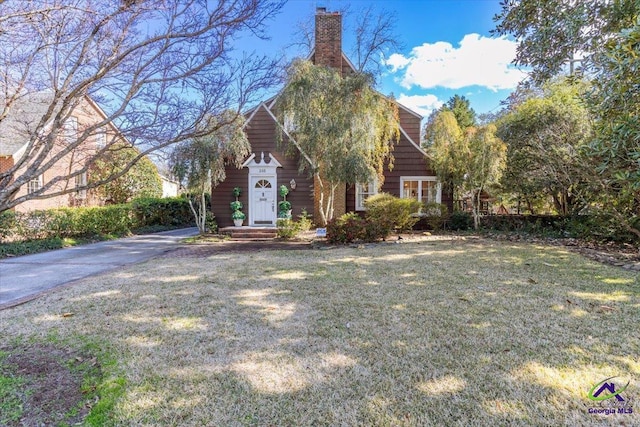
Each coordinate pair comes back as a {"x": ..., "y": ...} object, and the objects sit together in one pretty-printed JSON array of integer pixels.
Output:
[{"x": 238, "y": 222}]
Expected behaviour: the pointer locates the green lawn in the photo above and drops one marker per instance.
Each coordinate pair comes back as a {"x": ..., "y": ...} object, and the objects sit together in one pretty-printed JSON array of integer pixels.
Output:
[{"x": 451, "y": 331}]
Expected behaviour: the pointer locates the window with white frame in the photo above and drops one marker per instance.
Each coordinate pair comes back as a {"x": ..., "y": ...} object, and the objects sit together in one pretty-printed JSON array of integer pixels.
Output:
[
  {"x": 425, "y": 189},
  {"x": 81, "y": 181},
  {"x": 101, "y": 138},
  {"x": 363, "y": 191},
  {"x": 70, "y": 130},
  {"x": 34, "y": 184}
]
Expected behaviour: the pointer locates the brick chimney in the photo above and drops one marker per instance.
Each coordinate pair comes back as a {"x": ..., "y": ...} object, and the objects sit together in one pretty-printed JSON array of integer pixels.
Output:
[{"x": 328, "y": 49}]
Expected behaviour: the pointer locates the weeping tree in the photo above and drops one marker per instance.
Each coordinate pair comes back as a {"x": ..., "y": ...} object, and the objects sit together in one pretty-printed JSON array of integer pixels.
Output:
[
  {"x": 200, "y": 163},
  {"x": 466, "y": 160},
  {"x": 447, "y": 149},
  {"x": 343, "y": 129},
  {"x": 485, "y": 164}
]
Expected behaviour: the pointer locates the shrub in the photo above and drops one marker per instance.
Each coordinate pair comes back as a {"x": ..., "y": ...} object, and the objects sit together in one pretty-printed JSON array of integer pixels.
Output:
[
  {"x": 287, "y": 228},
  {"x": 88, "y": 222},
  {"x": 460, "y": 221},
  {"x": 210, "y": 222},
  {"x": 383, "y": 207},
  {"x": 167, "y": 212},
  {"x": 346, "y": 229},
  {"x": 377, "y": 230},
  {"x": 305, "y": 222},
  {"x": 8, "y": 225},
  {"x": 352, "y": 227},
  {"x": 435, "y": 215}
]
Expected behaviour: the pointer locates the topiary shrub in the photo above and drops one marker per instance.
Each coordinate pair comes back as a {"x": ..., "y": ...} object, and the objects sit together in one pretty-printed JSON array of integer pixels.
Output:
[{"x": 383, "y": 208}]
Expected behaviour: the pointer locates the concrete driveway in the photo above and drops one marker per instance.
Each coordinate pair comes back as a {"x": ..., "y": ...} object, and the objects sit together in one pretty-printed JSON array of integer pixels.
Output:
[{"x": 24, "y": 278}]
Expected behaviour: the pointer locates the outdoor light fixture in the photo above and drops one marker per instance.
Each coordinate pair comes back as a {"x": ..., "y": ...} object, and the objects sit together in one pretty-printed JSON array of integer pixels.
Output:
[{"x": 293, "y": 184}]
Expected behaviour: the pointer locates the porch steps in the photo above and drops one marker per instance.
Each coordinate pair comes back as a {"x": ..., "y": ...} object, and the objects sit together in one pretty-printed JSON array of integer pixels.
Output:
[{"x": 250, "y": 233}]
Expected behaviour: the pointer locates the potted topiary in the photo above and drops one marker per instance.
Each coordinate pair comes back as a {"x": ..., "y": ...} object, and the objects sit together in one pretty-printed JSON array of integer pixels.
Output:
[
  {"x": 236, "y": 207},
  {"x": 238, "y": 217},
  {"x": 284, "y": 207}
]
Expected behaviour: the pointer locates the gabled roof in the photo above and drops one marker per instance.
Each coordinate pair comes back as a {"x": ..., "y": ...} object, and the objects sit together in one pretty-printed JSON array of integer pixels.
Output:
[
  {"x": 25, "y": 114},
  {"x": 22, "y": 120}
]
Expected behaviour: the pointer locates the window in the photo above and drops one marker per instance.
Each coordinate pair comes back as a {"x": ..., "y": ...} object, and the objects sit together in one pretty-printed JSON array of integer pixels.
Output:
[
  {"x": 363, "y": 191},
  {"x": 34, "y": 185},
  {"x": 425, "y": 189},
  {"x": 101, "y": 138},
  {"x": 70, "y": 130},
  {"x": 81, "y": 181},
  {"x": 289, "y": 123}
]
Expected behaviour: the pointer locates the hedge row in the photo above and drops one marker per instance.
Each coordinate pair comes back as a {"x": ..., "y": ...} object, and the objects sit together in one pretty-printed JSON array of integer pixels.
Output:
[{"x": 88, "y": 222}]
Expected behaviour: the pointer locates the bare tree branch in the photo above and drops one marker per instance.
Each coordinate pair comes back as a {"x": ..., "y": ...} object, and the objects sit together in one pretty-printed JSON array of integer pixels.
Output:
[{"x": 157, "y": 68}]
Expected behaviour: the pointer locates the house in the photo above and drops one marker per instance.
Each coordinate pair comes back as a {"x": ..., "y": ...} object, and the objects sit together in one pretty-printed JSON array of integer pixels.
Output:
[
  {"x": 169, "y": 187},
  {"x": 15, "y": 131},
  {"x": 269, "y": 166},
  {"x": 16, "y": 128}
]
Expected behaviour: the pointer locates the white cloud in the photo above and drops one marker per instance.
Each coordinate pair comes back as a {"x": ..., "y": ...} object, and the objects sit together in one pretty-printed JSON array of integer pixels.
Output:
[
  {"x": 397, "y": 61},
  {"x": 421, "y": 104},
  {"x": 478, "y": 60}
]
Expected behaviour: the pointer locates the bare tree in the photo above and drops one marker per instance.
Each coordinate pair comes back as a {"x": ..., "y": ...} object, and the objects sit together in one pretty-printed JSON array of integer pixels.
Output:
[
  {"x": 375, "y": 36},
  {"x": 156, "y": 67}
]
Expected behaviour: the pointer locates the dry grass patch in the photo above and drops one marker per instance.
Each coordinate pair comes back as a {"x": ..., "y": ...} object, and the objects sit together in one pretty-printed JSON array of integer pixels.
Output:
[{"x": 460, "y": 332}]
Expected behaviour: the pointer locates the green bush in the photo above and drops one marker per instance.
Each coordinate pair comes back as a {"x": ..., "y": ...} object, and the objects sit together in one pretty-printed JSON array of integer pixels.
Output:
[
  {"x": 383, "y": 208},
  {"x": 435, "y": 215},
  {"x": 460, "y": 221},
  {"x": 305, "y": 222},
  {"x": 287, "y": 228},
  {"x": 167, "y": 212},
  {"x": 8, "y": 225},
  {"x": 346, "y": 228},
  {"x": 94, "y": 221},
  {"x": 351, "y": 227}
]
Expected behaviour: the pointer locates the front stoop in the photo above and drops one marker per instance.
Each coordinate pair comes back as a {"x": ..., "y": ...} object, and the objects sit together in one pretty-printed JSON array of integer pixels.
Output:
[{"x": 250, "y": 233}]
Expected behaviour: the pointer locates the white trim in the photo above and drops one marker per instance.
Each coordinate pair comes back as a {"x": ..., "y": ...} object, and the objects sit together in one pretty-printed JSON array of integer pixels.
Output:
[
  {"x": 255, "y": 110},
  {"x": 70, "y": 130},
  {"x": 373, "y": 185},
  {"x": 35, "y": 184},
  {"x": 259, "y": 169},
  {"x": 420, "y": 149},
  {"x": 307, "y": 158},
  {"x": 420, "y": 179},
  {"x": 349, "y": 63},
  {"x": 81, "y": 181}
]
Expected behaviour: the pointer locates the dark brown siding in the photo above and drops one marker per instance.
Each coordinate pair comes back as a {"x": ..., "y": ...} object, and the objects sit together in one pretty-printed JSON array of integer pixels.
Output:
[
  {"x": 261, "y": 132},
  {"x": 409, "y": 161}
]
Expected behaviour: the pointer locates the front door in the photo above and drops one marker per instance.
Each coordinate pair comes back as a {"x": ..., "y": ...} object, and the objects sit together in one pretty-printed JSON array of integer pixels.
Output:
[{"x": 263, "y": 200}]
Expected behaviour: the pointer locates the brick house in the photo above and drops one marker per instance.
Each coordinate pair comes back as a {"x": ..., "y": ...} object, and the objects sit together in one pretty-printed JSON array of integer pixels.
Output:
[
  {"x": 16, "y": 127},
  {"x": 268, "y": 167}
]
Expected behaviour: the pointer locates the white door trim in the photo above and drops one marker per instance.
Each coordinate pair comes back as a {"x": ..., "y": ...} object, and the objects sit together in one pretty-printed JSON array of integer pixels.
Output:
[{"x": 262, "y": 169}]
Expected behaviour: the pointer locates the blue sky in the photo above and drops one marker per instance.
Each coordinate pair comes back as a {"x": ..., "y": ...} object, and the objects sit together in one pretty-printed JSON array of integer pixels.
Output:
[{"x": 447, "y": 49}]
